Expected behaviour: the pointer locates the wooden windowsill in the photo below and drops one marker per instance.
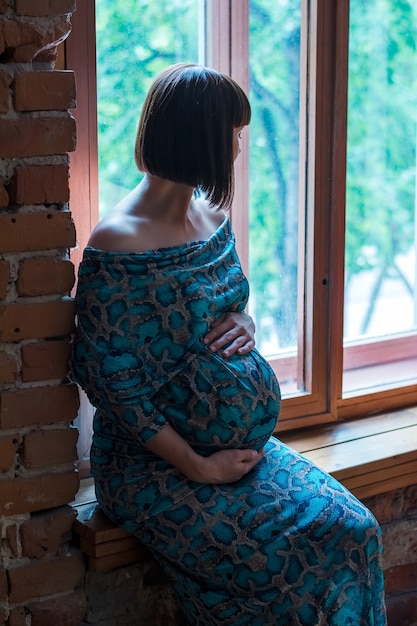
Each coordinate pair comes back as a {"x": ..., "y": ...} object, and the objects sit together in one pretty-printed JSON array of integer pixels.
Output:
[
  {"x": 105, "y": 545},
  {"x": 369, "y": 456}
]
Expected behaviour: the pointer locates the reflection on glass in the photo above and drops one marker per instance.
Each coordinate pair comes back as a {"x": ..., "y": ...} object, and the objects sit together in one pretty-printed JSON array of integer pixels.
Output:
[
  {"x": 136, "y": 39},
  {"x": 274, "y": 61},
  {"x": 380, "y": 257}
]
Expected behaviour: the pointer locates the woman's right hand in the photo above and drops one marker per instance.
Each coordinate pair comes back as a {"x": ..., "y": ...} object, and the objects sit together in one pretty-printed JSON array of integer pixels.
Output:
[{"x": 226, "y": 466}]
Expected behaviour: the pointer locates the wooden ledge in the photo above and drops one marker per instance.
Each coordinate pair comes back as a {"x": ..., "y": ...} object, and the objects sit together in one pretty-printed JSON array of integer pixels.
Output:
[
  {"x": 370, "y": 456},
  {"x": 106, "y": 546}
]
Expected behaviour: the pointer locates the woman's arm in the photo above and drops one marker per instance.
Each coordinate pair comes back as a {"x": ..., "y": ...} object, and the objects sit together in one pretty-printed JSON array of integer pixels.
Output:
[{"x": 225, "y": 466}]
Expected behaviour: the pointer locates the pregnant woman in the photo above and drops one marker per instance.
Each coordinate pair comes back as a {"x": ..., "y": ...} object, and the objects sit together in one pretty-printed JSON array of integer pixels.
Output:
[{"x": 183, "y": 455}]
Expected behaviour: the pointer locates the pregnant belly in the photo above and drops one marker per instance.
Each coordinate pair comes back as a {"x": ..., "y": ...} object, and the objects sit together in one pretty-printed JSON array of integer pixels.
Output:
[{"x": 218, "y": 403}]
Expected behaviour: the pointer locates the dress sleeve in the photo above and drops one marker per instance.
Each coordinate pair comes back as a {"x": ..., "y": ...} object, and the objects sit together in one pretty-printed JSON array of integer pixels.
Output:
[
  {"x": 141, "y": 421},
  {"x": 122, "y": 383}
]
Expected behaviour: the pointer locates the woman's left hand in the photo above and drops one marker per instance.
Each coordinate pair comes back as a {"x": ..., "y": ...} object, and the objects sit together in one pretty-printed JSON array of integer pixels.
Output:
[{"x": 236, "y": 330}]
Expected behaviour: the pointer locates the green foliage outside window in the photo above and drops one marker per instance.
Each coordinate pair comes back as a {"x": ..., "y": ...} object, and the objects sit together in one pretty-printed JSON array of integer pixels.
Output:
[
  {"x": 136, "y": 39},
  {"x": 381, "y": 165}
]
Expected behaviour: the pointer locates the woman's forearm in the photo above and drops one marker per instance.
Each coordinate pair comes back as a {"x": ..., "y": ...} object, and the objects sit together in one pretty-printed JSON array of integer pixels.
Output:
[
  {"x": 171, "y": 447},
  {"x": 224, "y": 466}
]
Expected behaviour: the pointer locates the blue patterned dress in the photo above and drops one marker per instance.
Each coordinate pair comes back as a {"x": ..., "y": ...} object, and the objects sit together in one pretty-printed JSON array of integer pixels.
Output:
[{"x": 286, "y": 545}]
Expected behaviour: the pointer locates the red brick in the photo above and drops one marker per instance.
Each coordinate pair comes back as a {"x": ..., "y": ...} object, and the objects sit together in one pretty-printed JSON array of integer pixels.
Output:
[
  {"x": 4, "y": 196},
  {"x": 386, "y": 506},
  {"x": 37, "y": 320},
  {"x": 401, "y": 578},
  {"x": 44, "y": 91},
  {"x": 4, "y": 91},
  {"x": 4, "y": 278},
  {"x": 36, "y": 136},
  {"x": 2, "y": 49},
  {"x": 37, "y": 493},
  {"x": 48, "y": 55},
  {"x": 12, "y": 536},
  {"x": 3, "y": 585},
  {"x": 402, "y": 610},
  {"x": 38, "y": 405},
  {"x": 8, "y": 449},
  {"x": 27, "y": 232},
  {"x": 39, "y": 184},
  {"x": 45, "y": 532},
  {"x": 17, "y": 616},
  {"x": 47, "y": 576},
  {"x": 68, "y": 610},
  {"x": 44, "y": 8},
  {"x": 24, "y": 39},
  {"x": 9, "y": 30},
  {"x": 45, "y": 275},
  {"x": 410, "y": 501},
  {"x": 4, "y": 612},
  {"x": 45, "y": 360},
  {"x": 49, "y": 448},
  {"x": 400, "y": 542},
  {"x": 9, "y": 369}
]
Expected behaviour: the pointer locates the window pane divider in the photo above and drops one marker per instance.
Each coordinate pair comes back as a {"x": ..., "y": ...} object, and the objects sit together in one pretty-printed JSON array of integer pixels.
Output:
[
  {"x": 239, "y": 70},
  {"x": 318, "y": 202}
]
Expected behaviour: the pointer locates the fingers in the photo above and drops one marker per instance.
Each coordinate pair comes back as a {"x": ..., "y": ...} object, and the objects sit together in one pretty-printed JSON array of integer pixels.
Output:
[
  {"x": 241, "y": 345},
  {"x": 250, "y": 459},
  {"x": 234, "y": 330},
  {"x": 245, "y": 456},
  {"x": 219, "y": 329},
  {"x": 253, "y": 457},
  {"x": 228, "y": 466}
]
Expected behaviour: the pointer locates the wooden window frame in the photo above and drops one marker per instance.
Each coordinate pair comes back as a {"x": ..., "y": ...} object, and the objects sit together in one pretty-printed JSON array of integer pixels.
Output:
[
  {"x": 80, "y": 55},
  {"x": 324, "y": 56}
]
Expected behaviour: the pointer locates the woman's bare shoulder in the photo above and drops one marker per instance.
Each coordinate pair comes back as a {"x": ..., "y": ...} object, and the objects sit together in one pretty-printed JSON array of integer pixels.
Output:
[
  {"x": 118, "y": 232},
  {"x": 130, "y": 228}
]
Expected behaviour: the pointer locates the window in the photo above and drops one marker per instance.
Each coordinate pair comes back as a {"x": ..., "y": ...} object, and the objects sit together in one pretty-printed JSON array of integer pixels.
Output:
[
  {"x": 380, "y": 347},
  {"x": 325, "y": 208}
]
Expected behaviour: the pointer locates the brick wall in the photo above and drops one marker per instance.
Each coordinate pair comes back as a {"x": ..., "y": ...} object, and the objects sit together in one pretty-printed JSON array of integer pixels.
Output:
[
  {"x": 396, "y": 511},
  {"x": 41, "y": 574}
]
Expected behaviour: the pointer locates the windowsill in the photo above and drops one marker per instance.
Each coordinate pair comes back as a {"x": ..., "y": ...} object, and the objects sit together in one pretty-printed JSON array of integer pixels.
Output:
[
  {"x": 86, "y": 493},
  {"x": 369, "y": 456}
]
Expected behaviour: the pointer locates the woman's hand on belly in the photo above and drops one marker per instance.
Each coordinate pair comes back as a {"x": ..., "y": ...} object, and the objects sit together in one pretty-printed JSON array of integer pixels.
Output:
[
  {"x": 228, "y": 466},
  {"x": 224, "y": 466},
  {"x": 234, "y": 329}
]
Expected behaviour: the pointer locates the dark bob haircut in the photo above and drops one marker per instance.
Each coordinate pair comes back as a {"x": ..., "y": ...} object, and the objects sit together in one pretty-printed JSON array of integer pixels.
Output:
[{"x": 185, "y": 131}]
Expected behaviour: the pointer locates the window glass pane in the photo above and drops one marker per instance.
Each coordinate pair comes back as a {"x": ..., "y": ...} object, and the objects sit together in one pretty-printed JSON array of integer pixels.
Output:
[
  {"x": 136, "y": 39},
  {"x": 274, "y": 61},
  {"x": 380, "y": 261}
]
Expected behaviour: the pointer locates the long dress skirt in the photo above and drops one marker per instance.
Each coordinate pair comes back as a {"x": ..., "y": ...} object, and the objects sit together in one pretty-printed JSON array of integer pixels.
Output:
[{"x": 287, "y": 545}]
